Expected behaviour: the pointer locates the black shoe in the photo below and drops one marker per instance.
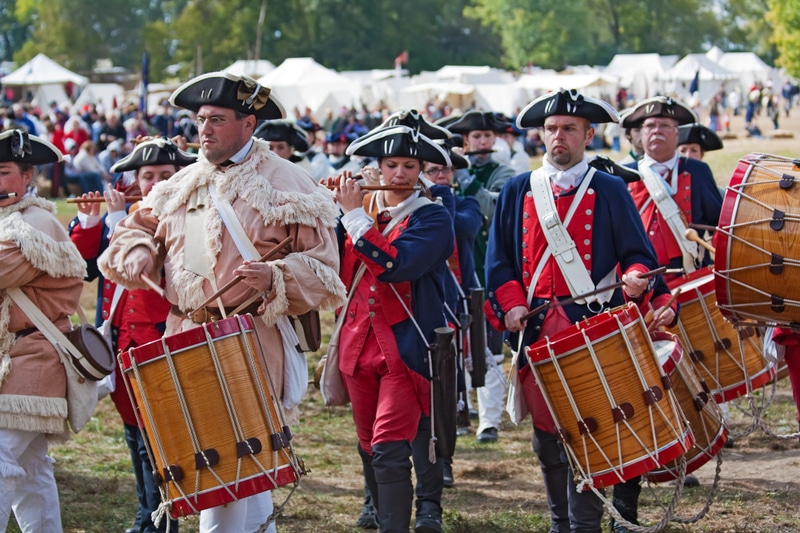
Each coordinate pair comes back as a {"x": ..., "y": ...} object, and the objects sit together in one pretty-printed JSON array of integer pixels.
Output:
[
  {"x": 368, "y": 518},
  {"x": 447, "y": 475},
  {"x": 690, "y": 481},
  {"x": 428, "y": 524},
  {"x": 460, "y": 432},
  {"x": 134, "y": 529},
  {"x": 729, "y": 443},
  {"x": 473, "y": 414},
  {"x": 487, "y": 435}
]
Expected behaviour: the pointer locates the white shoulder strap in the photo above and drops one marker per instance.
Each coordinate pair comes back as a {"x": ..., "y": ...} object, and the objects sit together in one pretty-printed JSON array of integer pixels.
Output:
[
  {"x": 672, "y": 214},
  {"x": 560, "y": 244},
  {"x": 43, "y": 324}
]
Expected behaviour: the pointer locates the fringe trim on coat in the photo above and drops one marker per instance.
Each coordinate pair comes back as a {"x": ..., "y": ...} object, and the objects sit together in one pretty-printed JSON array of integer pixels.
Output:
[
  {"x": 276, "y": 307},
  {"x": 330, "y": 279},
  {"x": 33, "y": 413},
  {"x": 58, "y": 259}
]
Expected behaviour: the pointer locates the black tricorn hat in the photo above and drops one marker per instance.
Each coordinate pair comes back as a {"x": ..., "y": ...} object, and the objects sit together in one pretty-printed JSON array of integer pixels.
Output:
[
  {"x": 444, "y": 122},
  {"x": 478, "y": 121},
  {"x": 566, "y": 102},
  {"x": 605, "y": 164},
  {"x": 399, "y": 141},
  {"x": 158, "y": 151},
  {"x": 699, "y": 134},
  {"x": 221, "y": 89},
  {"x": 659, "y": 106},
  {"x": 283, "y": 130},
  {"x": 18, "y": 146},
  {"x": 415, "y": 121}
]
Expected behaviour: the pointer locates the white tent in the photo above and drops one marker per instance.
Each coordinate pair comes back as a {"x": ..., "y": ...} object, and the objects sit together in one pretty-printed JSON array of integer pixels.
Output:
[
  {"x": 301, "y": 82},
  {"x": 417, "y": 96},
  {"x": 640, "y": 74},
  {"x": 711, "y": 77},
  {"x": 41, "y": 70},
  {"x": 596, "y": 85},
  {"x": 250, "y": 67},
  {"x": 472, "y": 74},
  {"x": 749, "y": 69},
  {"x": 103, "y": 95}
]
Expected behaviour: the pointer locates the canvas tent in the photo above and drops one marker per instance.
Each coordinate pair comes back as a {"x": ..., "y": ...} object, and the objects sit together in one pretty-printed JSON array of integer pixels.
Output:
[
  {"x": 640, "y": 74},
  {"x": 711, "y": 77},
  {"x": 301, "y": 82},
  {"x": 41, "y": 70},
  {"x": 250, "y": 67},
  {"x": 749, "y": 69}
]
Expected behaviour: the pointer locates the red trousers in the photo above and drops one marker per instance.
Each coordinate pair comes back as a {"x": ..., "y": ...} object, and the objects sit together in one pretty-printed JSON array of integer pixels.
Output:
[{"x": 387, "y": 405}]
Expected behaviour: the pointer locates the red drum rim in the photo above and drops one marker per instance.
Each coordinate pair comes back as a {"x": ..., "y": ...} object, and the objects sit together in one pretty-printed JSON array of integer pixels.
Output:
[
  {"x": 670, "y": 452},
  {"x": 186, "y": 340},
  {"x": 673, "y": 358},
  {"x": 664, "y": 475},
  {"x": 597, "y": 328},
  {"x": 732, "y": 392},
  {"x": 282, "y": 475},
  {"x": 721, "y": 241}
]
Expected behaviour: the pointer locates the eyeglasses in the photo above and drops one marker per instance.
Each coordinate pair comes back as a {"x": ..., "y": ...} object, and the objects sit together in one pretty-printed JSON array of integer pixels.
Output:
[
  {"x": 664, "y": 125},
  {"x": 436, "y": 171},
  {"x": 215, "y": 120}
]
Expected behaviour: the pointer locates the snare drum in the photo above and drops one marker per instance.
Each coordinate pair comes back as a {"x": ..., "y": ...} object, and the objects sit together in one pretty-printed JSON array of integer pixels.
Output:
[
  {"x": 758, "y": 243},
  {"x": 214, "y": 426},
  {"x": 702, "y": 413},
  {"x": 712, "y": 343},
  {"x": 607, "y": 392}
]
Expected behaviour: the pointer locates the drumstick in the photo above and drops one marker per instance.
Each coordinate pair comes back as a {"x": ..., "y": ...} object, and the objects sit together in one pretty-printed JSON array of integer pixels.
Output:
[
  {"x": 152, "y": 284},
  {"x": 387, "y": 188},
  {"x": 572, "y": 299},
  {"x": 692, "y": 235},
  {"x": 664, "y": 309},
  {"x": 100, "y": 199},
  {"x": 704, "y": 227},
  {"x": 237, "y": 279}
]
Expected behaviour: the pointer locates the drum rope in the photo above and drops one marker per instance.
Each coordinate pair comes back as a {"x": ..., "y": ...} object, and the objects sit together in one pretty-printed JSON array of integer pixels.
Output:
[
  {"x": 572, "y": 457},
  {"x": 643, "y": 382},
  {"x": 670, "y": 510},
  {"x": 293, "y": 460},
  {"x": 166, "y": 504},
  {"x": 712, "y": 494}
]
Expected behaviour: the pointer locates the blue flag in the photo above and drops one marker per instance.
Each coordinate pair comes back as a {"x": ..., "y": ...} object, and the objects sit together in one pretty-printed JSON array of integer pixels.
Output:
[
  {"x": 695, "y": 85},
  {"x": 144, "y": 82}
]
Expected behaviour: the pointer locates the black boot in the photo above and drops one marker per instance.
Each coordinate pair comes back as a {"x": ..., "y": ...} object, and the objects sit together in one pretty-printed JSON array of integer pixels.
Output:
[
  {"x": 369, "y": 516},
  {"x": 391, "y": 463},
  {"x": 369, "y": 511},
  {"x": 430, "y": 481}
]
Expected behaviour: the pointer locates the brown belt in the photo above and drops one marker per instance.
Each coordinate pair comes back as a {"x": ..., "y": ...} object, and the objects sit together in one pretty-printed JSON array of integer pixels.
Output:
[
  {"x": 212, "y": 314},
  {"x": 25, "y": 332}
]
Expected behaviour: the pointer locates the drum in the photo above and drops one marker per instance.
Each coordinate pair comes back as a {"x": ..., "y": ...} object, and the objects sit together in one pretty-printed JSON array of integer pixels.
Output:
[
  {"x": 758, "y": 243},
  {"x": 214, "y": 426},
  {"x": 608, "y": 395},
  {"x": 712, "y": 343},
  {"x": 702, "y": 413}
]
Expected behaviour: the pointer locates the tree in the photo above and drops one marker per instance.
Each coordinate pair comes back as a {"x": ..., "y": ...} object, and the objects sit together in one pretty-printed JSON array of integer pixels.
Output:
[
  {"x": 13, "y": 32},
  {"x": 785, "y": 18}
]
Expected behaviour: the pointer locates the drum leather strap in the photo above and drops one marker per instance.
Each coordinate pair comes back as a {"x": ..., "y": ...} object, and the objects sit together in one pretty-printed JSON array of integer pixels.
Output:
[
  {"x": 669, "y": 209},
  {"x": 561, "y": 246},
  {"x": 46, "y": 326}
]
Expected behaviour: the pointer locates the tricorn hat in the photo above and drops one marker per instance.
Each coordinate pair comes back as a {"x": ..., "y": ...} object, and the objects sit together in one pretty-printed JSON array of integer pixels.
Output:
[
  {"x": 18, "y": 146},
  {"x": 659, "y": 106},
  {"x": 221, "y": 89},
  {"x": 569, "y": 103},
  {"x": 341, "y": 137},
  {"x": 158, "y": 151},
  {"x": 607, "y": 165},
  {"x": 478, "y": 121},
  {"x": 283, "y": 130},
  {"x": 415, "y": 121},
  {"x": 699, "y": 134},
  {"x": 399, "y": 141}
]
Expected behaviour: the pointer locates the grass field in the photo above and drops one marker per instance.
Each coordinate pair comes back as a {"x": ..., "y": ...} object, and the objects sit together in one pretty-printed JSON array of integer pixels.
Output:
[{"x": 498, "y": 487}]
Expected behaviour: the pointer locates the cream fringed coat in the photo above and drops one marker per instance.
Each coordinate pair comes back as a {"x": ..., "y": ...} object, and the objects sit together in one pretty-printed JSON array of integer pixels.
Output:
[
  {"x": 273, "y": 199},
  {"x": 37, "y": 256}
]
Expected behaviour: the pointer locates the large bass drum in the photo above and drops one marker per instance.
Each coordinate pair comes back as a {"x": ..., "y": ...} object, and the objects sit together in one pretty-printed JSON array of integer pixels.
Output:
[{"x": 757, "y": 261}]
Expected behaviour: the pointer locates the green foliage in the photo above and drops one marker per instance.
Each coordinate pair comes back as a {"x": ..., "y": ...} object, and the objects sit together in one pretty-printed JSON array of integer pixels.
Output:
[
  {"x": 204, "y": 35},
  {"x": 785, "y": 18}
]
